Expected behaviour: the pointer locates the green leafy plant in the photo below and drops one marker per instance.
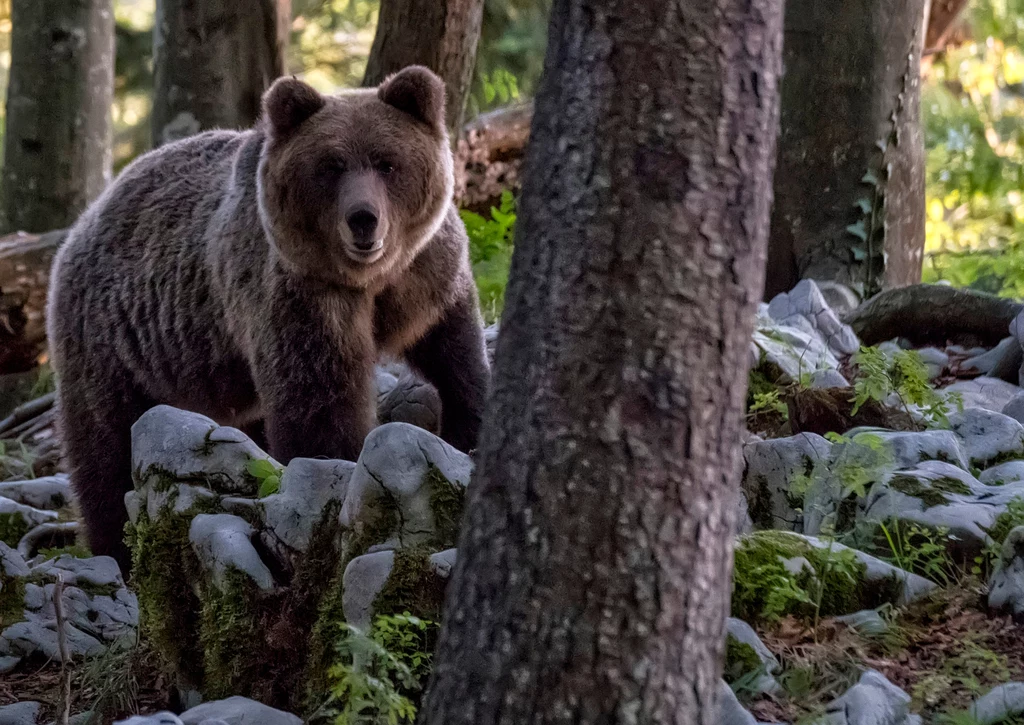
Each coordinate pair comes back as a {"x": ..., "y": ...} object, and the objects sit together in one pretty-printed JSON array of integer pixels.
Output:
[
  {"x": 905, "y": 375},
  {"x": 921, "y": 550},
  {"x": 381, "y": 672},
  {"x": 862, "y": 461},
  {"x": 1007, "y": 521},
  {"x": 267, "y": 475},
  {"x": 974, "y": 668},
  {"x": 840, "y": 562},
  {"x": 500, "y": 85},
  {"x": 769, "y": 401},
  {"x": 490, "y": 252}
]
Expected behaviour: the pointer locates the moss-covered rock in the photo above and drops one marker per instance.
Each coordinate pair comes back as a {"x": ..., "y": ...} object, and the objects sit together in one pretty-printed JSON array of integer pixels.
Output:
[
  {"x": 781, "y": 573},
  {"x": 13, "y": 574},
  {"x": 932, "y": 493},
  {"x": 17, "y": 519},
  {"x": 264, "y": 589}
]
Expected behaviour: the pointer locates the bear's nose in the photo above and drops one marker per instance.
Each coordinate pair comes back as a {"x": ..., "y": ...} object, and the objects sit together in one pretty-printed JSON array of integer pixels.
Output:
[{"x": 363, "y": 223}]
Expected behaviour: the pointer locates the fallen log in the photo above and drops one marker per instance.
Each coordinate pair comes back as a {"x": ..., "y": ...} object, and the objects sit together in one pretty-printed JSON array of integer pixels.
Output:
[
  {"x": 928, "y": 314},
  {"x": 25, "y": 261},
  {"x": 489, "y": 154}
]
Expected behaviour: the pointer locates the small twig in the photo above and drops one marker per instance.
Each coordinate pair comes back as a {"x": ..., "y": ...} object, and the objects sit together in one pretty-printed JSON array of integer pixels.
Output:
[
  {"x": 32, "y": 425},
  {"x": 62, "y": 649},
  {"x": 27, "y": 411}
]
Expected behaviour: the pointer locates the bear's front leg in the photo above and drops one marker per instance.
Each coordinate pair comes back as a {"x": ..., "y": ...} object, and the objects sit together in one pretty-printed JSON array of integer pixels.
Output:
[
  {"x": 314, "y": 377},
  {"x": 452, "y": 356}
]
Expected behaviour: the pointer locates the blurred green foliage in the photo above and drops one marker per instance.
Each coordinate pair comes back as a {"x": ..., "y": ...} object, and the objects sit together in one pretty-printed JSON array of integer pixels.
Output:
[
  {"x": 490, "y": 253},
  {"x": 973, "y": 112},
  {"x": 330, "y": 42}
]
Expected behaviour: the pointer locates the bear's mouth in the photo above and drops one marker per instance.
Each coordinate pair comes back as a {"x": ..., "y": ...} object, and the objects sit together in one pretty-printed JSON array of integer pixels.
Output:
[{"x": 366, "y": 256}]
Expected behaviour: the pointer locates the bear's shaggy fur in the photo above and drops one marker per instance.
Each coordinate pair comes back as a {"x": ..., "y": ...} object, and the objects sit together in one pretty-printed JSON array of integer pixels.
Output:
[{"x": 256, "y": 277}]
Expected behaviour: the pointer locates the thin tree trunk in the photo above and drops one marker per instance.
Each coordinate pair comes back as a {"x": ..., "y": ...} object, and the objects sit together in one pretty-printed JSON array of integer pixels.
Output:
[
  {"x": 440, "y": 35},
  {"x": 213, "y": 59},
  {"x": 852, "y": 83},
  {"x": 592, "y": 582},
  {"x": 57, "y": 145}
]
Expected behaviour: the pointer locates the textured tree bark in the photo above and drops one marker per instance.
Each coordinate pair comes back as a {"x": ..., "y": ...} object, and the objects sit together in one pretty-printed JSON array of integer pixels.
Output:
[
  {"x": 592, "y": 581},
  {"x": 57, "y": 145},
  {"x": 852, "y": 82},
  {"x": 440, "y": 35},
  {"x": 212, "y": 61}
]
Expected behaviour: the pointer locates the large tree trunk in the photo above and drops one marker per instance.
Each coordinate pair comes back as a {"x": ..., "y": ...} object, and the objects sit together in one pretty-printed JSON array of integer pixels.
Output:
[
  {"x": 592, "y": 582},
  {"x": 57, "y": 145},
  {"x": 440, "y": 35},
  {"x": 213, "y": 59},
  {"x": 852, "y": 85}
]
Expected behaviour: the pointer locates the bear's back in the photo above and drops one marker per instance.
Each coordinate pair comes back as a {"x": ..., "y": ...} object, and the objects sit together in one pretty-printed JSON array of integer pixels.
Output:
[
  {"x": 132, "y": 275},
  {"x": 169, "y": 192}
]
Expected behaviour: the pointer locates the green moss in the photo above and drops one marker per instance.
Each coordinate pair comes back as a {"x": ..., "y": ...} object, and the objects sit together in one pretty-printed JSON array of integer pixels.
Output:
[
  {"x": 376, "y": 525},
  {"x": 163, "y": 571},
  {"x": 758, "y": 384},
  {"x": 206, "y": 447},
  {"x": 412, "y": 586},
  {"x": 78, "y": 551},
  {"x": 97, "y": 590},
  {"x": 447, "y": 502},
  {"x": 740, "y": 659},
  {"x": 764, "y": 589},
  {"x": 1007, "y": 521},
  {"x": 1004, "y": 457},
  {"x": 948, "y": 484},
  {"x": 910, "y": 486},
  {"x": 229, "y": 636},
  {"x": 326, "y": 632},
  {"x": 12, "y": 527},
  {"x": 12, "y": 600},
  {"x": 161, "y": 480}
]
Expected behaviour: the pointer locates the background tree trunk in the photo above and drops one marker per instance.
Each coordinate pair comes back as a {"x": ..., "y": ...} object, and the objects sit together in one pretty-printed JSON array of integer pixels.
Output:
[
  {"x": 592, "y": 581},
  {"x": 440, "y": 35},
  {"x": 852, "y": 82},
  {"x": 213, "y": 59},
  {"x": 57, "y": 145}
]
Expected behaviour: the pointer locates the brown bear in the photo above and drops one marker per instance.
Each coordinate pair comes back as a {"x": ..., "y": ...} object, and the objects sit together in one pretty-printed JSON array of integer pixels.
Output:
[{"x": 256, "y": 277}]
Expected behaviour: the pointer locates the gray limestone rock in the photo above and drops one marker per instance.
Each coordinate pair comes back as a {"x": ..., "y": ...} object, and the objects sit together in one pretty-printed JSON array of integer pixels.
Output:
[
  {"x": 872, "y": 701},
  {"x": 406, "y": 467},
  {"x": 20, "y": 713},
  {"x": 187, "y": 446},
  {"x": 49, "y": 492},
  {"x": 984, "y": 392},
  {"x": 366, "y": 575},
  {"x": 238, "y": 711},
  {"x": 999, "y": 704},
  {"x": 1006, "y": 585},
  {"x": 223, "y": 544},
  {"x": 307, "y": 486},
  {"x": 987, "y": 436}
]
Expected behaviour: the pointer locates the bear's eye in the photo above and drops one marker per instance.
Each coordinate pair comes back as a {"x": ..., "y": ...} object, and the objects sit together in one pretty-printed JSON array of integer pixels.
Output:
[
  {"x": 331, "y": 168},
  {"x": 384, "y": 167}
]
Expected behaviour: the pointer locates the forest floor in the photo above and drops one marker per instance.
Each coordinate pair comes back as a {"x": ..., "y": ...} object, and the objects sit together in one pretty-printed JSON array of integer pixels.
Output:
[{"x": 945, "y": 651}]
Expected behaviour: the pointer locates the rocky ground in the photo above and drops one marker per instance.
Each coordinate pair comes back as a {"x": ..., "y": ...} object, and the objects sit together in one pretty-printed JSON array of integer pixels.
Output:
[{"x": 879, "y": 570}]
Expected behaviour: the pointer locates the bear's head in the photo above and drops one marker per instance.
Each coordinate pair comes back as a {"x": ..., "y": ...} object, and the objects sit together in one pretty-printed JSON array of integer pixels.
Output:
[{"x": 352, "y": 186}]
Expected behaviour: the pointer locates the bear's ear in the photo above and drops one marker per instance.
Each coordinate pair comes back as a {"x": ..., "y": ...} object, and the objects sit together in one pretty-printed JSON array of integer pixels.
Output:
[
  {"x": 289, "y": 103},
  {"x": 416, "y": 90}
]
